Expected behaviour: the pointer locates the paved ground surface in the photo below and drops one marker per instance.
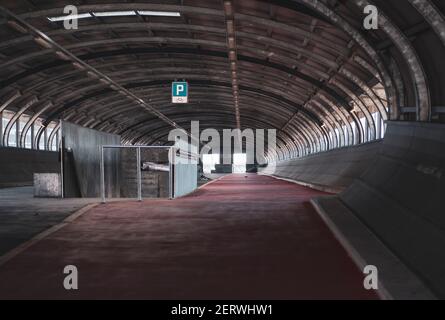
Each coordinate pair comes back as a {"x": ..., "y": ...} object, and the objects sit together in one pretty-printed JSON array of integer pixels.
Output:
[
  {"x": 22, "y": 216},
  {"x": 236, "y": 238}
]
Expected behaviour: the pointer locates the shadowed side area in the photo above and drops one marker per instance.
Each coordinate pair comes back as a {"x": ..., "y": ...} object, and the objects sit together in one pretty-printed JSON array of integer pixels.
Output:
[{"x": 240, "y": 237}]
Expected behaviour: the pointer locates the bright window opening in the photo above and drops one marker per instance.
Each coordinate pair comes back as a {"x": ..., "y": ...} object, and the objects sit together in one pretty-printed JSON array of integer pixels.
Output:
[
  {"x": 239, "y": 163},
  {"x": 209, "y": 161}
]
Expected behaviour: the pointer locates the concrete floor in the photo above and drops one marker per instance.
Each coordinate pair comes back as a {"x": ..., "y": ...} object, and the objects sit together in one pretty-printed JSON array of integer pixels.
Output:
[
  {"x": 22, "y": 216},
  {"x": 252, "y": 237}
]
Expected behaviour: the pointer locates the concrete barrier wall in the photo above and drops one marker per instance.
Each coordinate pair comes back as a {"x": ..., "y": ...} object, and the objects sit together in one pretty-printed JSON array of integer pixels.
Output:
[
  {"x": 401, "y": 198},
  {"x": 17, "y": 166},
  {"x": 332, "y": 171},
  {"x": 396, "y": 187}
]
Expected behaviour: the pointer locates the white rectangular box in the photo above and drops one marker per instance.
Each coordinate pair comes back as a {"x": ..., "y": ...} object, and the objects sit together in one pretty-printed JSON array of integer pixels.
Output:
[{"x": 47, "y": 185}]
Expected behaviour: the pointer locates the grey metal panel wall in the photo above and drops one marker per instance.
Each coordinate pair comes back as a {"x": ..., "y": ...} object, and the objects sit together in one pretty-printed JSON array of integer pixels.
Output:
[
  {"x": 335, "y": 169},
  {"x": 85, "y": 145},
  {"x": 17, "y": 166}
]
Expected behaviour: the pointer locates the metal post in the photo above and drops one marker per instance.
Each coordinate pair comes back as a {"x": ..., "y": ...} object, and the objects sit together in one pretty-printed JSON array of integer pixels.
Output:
[
  {"x": 170, "y": 173},
  {"x": 358, "y": 132},
  {"x": 1, "y": 128},
  {"x": 138, "y": 168},
  {"x": 45, "y": 138},
  {"x": 378, "y": 125},
  {"x": 171, "y": 176},
  {"x": 32, "y": 137},
  {"x": 62, "y": 166},
  {"x": 102, "y": 174},
  {"x": 17, "y": 130}
]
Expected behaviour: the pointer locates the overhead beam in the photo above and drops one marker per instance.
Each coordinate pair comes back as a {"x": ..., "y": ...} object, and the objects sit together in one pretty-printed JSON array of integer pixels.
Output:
[
  {"x": 45, "y": 41},
  {"x": 180, "y": 50},
  {"x": 229, "y": 14}
]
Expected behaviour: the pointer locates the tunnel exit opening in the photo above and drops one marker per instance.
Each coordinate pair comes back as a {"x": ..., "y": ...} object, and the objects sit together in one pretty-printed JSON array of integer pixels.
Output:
[
  {"x": 239, "y": 163},
  {"x": 209, "y": 161}
]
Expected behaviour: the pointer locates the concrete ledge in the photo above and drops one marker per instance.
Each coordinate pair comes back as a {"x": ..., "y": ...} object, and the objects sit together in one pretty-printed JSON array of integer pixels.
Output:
[
  {"x": 396, "y": 281},
  {"x": 328, "y": 189},
  {"x": 337, "y": 168}
]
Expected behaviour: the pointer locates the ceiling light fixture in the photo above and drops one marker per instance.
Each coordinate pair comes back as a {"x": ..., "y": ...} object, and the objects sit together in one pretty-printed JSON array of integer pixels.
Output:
[
  {"x": 70, "y": 17},
  {"x": 114, "y": 13},
  {"x": 43, "y": 43},
  {"x": 104, "y": 14},
  {"x": 159, "y": 13}
]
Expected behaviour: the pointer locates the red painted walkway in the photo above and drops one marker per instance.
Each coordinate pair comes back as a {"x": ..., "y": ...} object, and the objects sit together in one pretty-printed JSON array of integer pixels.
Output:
[{"x": 236, "y": 238}]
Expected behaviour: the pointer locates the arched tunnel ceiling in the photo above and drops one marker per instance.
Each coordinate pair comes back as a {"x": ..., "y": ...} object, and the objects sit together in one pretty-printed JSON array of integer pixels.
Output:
[{"x": 304, "y": 67}]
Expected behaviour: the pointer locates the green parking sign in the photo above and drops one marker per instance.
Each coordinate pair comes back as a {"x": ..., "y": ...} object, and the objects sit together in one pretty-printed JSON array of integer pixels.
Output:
[{"x": 179, "y": 92}]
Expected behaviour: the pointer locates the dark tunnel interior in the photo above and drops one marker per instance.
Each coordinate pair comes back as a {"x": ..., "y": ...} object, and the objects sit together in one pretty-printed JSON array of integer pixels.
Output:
[{"x": 326, "y": 125}]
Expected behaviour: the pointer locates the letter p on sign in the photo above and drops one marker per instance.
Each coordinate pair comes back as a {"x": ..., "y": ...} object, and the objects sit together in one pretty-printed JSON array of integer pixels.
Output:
[
  {"x": 179, "y": 92},
  {"x": 179, "y": 89}
]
